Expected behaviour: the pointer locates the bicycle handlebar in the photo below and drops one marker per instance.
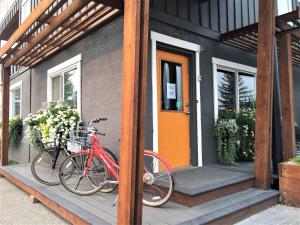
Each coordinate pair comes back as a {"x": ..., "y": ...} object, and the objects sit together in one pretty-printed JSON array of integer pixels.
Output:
[{"x": 95, "y": 121}]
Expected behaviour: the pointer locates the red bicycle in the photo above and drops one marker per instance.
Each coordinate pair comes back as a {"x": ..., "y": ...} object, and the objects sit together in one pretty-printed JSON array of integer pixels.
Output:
[{"x": 96, "y": 169}]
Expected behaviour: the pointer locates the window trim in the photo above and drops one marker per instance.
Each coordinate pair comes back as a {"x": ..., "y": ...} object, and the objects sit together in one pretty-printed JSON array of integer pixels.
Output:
[
  {"x": 231, "y": 67},
  {"x": 61, "y": 68},
  {"x": 12, "y": 88}
]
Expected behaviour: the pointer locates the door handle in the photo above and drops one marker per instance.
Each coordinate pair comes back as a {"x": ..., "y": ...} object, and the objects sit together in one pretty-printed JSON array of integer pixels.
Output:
[{"x": 187, "y": 113}]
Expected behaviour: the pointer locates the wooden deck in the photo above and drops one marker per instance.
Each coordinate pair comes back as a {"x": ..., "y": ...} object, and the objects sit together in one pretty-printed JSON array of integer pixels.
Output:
[{"x": 98, "y": 208}]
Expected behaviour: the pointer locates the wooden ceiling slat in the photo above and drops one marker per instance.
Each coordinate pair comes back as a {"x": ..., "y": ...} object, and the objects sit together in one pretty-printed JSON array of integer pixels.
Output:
[
  {"x": 72, "y": 9},
  {"x": 69, "y": 25},
  {"x": 246, "y": 37},
  {"x": 72, "y": 37},
  {"x": 70, "y": 41},
  {"x": 53, "y": 41},
  {"x": 31, "y": 19}
]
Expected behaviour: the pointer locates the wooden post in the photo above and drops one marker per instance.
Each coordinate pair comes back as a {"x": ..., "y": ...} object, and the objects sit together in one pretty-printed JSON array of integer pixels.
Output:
[
  {"x": 5, "y": 116},
  {"x": 135, "y": 60},
  {"x": 287, "y": 96},
  {"x": 264, "y": 87}
]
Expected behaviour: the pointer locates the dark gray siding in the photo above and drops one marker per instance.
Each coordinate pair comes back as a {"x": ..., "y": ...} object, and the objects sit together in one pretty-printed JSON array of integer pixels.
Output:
[
  {"x": 217, "y": 15},
  {"x": 101, "y": 83}
]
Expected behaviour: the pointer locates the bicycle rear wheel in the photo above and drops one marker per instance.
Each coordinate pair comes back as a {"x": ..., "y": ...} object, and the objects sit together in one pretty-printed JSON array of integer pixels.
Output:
[
  {"x": 72, "y": 175},
  {"x": 158, "y": 181},
  {"x": 43, "y": 168}
]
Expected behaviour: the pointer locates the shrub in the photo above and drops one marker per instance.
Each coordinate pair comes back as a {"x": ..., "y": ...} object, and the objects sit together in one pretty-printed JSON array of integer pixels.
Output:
[
  {"x": 296, "y": 160},
  {"x": 246, "y": 124},
  {"x": 227, "y": 140},
  {"x": 54, "y": 121},
  {"x": 15, "y": 131}
]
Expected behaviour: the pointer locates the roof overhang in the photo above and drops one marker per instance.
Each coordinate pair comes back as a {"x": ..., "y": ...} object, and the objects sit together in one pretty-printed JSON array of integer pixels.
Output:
[
  {"x": 247, "y": 37},
  {"x": 54, "y": 25}
]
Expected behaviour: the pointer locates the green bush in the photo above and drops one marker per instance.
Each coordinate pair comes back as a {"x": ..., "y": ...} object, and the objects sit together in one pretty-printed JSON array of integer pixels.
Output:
[
  {"x": 54, "y": 121},
  {"x": 15, "y": 131},
  {"x": 246, "y": 130},
  {"x": 296, "y": 160},
  {"x": 226, "y": 133}
]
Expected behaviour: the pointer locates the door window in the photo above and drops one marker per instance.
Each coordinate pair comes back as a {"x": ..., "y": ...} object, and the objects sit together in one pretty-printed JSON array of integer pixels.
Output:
[{"x": 171, "y": 80}]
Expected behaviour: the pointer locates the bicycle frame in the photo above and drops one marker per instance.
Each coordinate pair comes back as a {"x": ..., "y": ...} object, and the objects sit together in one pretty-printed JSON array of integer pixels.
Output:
[{"x": 97, "y": 150}]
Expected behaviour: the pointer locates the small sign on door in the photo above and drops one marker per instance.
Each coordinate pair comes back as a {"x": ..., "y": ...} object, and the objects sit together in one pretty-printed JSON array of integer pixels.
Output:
[{"x": 171, "y": 91}]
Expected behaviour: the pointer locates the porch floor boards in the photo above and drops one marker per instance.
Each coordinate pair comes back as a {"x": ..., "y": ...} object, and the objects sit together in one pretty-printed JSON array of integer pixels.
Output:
[
  {"x": 98, "y": 209},
  {"x": 194, "y": 181}
]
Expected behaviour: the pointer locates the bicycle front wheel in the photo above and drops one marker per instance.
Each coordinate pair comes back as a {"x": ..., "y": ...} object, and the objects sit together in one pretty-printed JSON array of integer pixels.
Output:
[
  {"x": 74, "y": 179},
  {"x": 158, "y": 181},
  {"x": 44, "y": 168}
]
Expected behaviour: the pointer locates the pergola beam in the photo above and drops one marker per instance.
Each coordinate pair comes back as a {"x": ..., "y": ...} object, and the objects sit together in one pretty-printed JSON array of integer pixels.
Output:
[
  {"x": 135, "y": 53},
  {"x": 56, "y": 22},
  {"x": 32, "y": 18},
  {"x": 264, "y": 93},
  {"x": 5, "y": 116},
  {"x": 287, "y": 96}
]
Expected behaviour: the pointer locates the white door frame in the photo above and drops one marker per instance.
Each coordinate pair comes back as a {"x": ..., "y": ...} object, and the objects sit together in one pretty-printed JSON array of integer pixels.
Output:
[{"x": 157, "y": 37}]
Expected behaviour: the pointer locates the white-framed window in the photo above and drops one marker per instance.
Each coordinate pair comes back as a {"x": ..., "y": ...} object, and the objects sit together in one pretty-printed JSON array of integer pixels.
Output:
[
  {"x": 284, "y": 6},
  {"x": 16, "y": 100},
  {"x": 234, "y": 87},
  {"x": 26, "y": 9},
  {"x": 64, "y": 83}
]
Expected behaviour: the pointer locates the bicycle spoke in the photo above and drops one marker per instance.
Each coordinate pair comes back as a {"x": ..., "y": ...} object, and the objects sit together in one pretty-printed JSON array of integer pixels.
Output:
[{"x": 78, "y": 182}]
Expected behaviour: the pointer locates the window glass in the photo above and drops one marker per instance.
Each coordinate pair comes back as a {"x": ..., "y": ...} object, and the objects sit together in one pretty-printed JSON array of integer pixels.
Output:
[
  {"x": 284, "y": 6},
  {"x": 16, "y": 102},
  {"x": 247, "y": 90},
  {"x": 171, "y": 90},
  {"x": 71, "y": 86},
  {"x": 226, "y": 92},
  {"x": 56, "y": 87},
  {"x": 26, "y": 8}
]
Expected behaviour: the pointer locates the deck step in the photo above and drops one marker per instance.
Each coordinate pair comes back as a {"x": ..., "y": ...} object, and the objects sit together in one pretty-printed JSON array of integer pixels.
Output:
[
  {"x": 200, "y": 185},
  {"x": 234, "y": 208}
]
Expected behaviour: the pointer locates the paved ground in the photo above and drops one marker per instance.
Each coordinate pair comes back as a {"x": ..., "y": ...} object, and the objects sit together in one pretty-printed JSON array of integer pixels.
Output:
[
  {"x": 16, "y": 208},
  {"x": 278, "y": 215}
]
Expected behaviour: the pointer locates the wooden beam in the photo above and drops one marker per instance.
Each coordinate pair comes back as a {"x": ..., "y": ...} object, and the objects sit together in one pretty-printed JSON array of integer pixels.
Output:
[
  {"x": 135, "y": 52},
  {"x": 264, "y": 93},
  {"x": 287, "y": 97},
  {"x": 71, "y": 36},
  {"x": 69, "y": 24},
  {"x": 31, "y": 19},
  {"x": 70, "y": 11},
  {"x": 5, "y": 116}
]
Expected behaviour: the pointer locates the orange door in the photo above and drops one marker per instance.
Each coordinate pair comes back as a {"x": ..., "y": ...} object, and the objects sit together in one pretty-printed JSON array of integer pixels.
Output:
[{"x": 173, "y": 108}]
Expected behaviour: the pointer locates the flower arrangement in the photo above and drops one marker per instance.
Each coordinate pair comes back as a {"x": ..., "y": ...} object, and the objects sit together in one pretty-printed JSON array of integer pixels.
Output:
[
  {"x": 46, "y": 124},
  {"x": 226, "y": 133},
  {"x": 246, "y": 123}
]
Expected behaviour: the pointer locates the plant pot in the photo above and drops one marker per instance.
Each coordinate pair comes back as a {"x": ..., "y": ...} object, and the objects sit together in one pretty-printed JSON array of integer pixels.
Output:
[{"x": 289, "y": 183}]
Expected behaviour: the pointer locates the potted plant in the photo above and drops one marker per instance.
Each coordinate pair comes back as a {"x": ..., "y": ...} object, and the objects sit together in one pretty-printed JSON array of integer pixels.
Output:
[
  {"x": 226, "y": 133},
  {"x": 289, "y": 182}
]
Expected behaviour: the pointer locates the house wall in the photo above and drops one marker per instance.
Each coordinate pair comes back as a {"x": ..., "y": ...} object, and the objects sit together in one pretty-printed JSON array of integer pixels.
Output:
[
  {"x": 22, "y": 152},
  {"x": 101, "y": 75},
  {"x": 217, "y": 15},
  {"x": 101, "y": 83}
]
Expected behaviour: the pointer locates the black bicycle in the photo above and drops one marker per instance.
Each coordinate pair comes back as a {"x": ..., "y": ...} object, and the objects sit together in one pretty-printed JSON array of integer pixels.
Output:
[{"x": 45, "y": 165}]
